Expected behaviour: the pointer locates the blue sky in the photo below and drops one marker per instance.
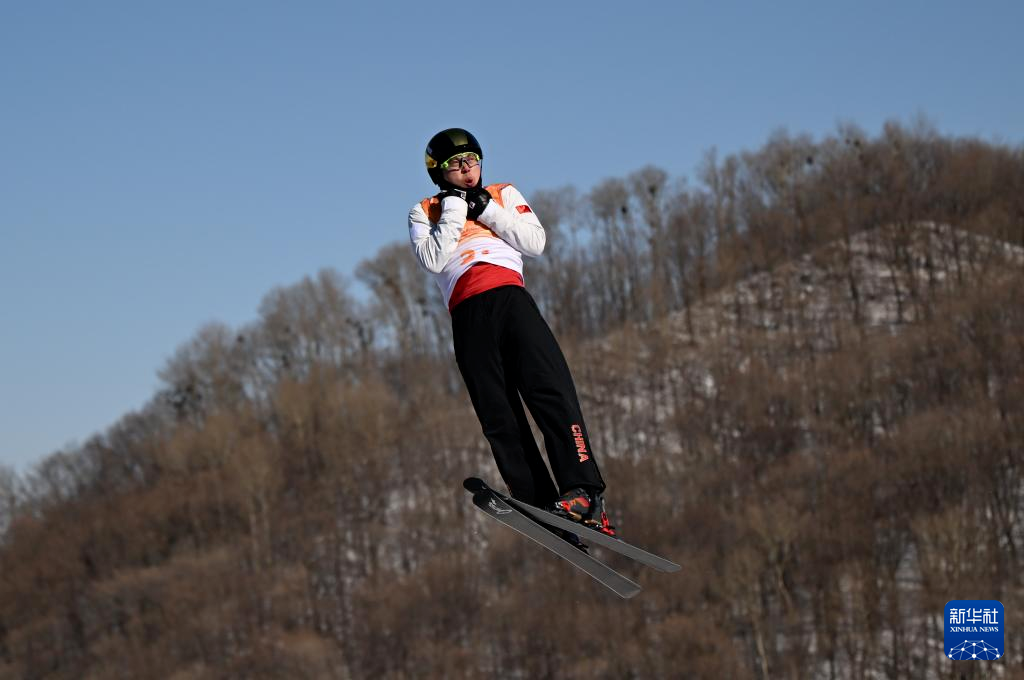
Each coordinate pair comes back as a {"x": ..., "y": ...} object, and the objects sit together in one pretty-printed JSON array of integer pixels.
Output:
[{"x": 164, "y": 165}]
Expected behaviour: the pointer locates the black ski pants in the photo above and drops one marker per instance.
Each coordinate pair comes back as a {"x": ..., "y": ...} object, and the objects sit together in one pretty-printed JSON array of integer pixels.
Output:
[{"x": 505, "y": 349}]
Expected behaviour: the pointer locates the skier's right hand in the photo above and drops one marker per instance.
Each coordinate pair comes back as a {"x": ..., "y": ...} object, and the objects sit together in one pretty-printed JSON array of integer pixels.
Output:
[
  {"x": 453, "y": 206},
  {"x": 451, "y": 193}
]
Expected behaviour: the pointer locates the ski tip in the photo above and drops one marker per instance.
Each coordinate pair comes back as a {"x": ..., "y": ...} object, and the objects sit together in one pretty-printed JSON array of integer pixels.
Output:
[{"x": 474, "y": 484}]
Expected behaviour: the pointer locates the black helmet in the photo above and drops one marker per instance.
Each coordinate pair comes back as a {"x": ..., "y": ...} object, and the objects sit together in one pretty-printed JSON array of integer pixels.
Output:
[{"x": 446, "y": 144}]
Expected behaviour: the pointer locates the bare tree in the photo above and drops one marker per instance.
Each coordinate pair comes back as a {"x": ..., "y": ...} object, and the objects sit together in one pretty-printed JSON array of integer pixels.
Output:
[{"x": 9, "y": 498}]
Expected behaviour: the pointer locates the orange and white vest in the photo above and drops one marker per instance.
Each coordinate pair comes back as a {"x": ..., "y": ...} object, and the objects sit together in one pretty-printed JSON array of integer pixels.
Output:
[{"x": 447, "y": 244}]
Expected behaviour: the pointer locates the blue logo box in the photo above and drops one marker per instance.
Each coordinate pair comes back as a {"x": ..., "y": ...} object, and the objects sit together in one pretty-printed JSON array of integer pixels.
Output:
[{"x": 974, "y": 630}]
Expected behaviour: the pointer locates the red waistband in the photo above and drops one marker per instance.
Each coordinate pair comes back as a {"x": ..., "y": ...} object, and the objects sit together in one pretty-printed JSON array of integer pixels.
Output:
[{"x": 481, "y": 277}]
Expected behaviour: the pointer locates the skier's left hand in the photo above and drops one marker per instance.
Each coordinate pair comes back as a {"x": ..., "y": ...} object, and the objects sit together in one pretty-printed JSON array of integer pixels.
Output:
[{"x": 477, "y": 198}]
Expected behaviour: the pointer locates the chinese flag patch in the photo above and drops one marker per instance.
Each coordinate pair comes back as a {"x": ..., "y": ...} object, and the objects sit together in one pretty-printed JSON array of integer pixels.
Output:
[{"x": 523, "y": 208}]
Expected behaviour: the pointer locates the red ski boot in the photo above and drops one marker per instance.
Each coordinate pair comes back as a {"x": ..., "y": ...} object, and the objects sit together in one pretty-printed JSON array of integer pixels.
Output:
[{"x": 584, "y": 507}]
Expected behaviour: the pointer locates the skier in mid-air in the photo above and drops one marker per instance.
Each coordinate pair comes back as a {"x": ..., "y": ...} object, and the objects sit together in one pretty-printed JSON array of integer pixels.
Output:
[{"x": 473, "y": 237}]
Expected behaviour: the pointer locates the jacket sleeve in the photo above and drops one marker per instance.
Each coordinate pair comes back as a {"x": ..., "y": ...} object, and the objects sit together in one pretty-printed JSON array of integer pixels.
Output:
[
  {"x": 435, "y": 243},
  {"x": 516, "y": 223}
]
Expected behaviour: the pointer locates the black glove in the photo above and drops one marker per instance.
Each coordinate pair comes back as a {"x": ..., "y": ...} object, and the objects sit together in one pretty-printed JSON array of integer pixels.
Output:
[
  {"x": 477, "y": 198},
  {"x": 451, "y": 191}
]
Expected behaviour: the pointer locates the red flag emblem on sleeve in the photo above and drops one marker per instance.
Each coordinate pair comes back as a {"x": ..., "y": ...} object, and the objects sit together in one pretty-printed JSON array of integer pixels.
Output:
[{"x": 523, "y": 208}]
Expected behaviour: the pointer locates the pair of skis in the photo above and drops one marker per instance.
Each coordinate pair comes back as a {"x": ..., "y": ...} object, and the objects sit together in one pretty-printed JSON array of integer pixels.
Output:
[{"x": 529, "y": 520}]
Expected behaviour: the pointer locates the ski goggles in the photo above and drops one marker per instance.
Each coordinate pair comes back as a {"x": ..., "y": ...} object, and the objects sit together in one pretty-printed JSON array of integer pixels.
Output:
[{"x": 462, "y": 160}]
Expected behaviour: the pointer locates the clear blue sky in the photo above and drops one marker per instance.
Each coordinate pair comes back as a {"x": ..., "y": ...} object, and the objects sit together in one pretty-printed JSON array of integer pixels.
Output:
[{"x": 165, "y": 164}]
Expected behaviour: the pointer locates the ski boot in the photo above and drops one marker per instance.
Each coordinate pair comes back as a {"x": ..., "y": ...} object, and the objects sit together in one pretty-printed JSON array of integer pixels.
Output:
[
  {"x": 567, "y": 536},
  {"x": 585, "y": 507}
]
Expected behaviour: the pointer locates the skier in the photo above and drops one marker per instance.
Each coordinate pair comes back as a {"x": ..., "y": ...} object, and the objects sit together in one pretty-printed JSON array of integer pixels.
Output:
[{"x": 473, "y": 237}]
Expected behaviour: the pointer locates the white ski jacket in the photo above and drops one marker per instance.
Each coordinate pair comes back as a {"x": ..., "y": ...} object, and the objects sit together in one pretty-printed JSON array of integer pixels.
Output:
[{"x": 447, "y": 244}]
